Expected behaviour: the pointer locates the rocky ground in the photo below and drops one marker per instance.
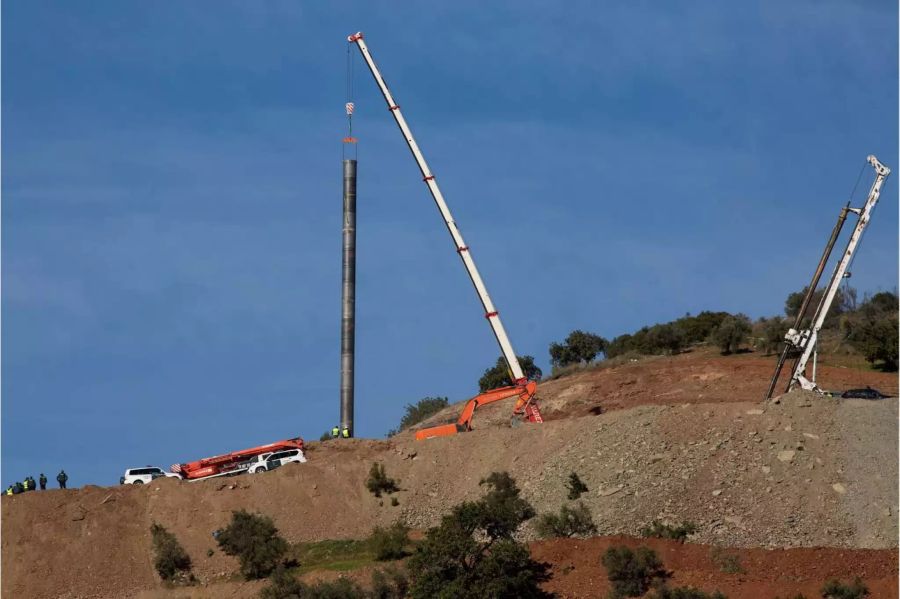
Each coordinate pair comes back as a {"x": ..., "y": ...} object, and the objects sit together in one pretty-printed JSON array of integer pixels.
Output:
[{"x": 675, "y": 444}]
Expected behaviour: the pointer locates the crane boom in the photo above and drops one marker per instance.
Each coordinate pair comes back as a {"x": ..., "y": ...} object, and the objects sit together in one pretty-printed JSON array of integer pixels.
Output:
[
  {"x": 490, "y": 312},
  {"x": 805, "y": 340}
]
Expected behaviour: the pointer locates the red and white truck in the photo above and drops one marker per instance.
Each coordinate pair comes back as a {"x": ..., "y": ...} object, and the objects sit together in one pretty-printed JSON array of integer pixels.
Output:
[{"x": 235, "y": 462}]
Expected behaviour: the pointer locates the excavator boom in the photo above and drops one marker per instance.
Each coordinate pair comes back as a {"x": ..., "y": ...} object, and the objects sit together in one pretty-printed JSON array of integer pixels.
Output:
[{"x": 525, "y": 407}]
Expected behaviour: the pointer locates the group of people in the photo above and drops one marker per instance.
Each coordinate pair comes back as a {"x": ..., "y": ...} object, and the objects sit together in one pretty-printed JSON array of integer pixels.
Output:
[
  {"x": 336, "y": 432},
  {"x": 29, "y": 483}
]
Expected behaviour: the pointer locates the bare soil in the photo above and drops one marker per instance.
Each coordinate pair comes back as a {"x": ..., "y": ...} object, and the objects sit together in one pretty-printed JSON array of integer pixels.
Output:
[{"x": 682, "y": 438}]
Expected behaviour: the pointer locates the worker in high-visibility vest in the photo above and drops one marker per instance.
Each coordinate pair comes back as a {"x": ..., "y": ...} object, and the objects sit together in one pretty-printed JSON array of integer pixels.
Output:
[
  {"x": 345, "y": 433},
  {"x": 9, "y": 490},
  {"x": 61, "y": 478},
  {"x": 335, "y": 432},
  {"x": 43, "y": 481}
]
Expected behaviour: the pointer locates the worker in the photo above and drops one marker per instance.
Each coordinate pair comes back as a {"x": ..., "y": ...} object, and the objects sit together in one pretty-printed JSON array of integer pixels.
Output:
[
  {"x": 27, "y": 483},
  {"x": 32, "y": 485},
  {"x": 43, "y": 481},
  {"x": 335, "y": 431},
  {"x": 345, "y": 433},
  {"x": 61, "y": 478},
  {"x": 9, "y": 490},
  {"x": 18, "y": 488}
]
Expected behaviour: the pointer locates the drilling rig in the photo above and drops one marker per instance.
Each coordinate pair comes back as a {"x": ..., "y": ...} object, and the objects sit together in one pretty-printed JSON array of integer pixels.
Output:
[{"x": 801, "y": 342}]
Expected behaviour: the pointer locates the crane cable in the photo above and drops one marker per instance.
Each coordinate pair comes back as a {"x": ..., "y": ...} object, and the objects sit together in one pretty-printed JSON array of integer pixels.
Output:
[
  {"x": 348, "y": 108},
  {"x": 848, "y": 273}
]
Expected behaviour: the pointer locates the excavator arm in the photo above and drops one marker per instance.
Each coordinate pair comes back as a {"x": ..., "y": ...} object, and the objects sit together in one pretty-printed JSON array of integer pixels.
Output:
[{"x": 525, "y": 408}]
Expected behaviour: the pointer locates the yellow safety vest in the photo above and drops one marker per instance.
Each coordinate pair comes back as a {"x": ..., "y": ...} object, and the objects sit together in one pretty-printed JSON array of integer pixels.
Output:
[
  {"x": 346, "y": 433},
  {"x": 9, "y": 491},
  {"x": 335, "y": 431}
]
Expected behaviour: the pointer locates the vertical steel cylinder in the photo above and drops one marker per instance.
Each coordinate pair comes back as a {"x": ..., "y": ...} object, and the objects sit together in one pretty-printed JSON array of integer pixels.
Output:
[{"x": 348, "y": 296}]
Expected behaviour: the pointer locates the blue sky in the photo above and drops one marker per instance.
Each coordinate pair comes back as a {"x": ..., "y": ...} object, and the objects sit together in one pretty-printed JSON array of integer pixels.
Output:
[{"x": 172, "y": 199}]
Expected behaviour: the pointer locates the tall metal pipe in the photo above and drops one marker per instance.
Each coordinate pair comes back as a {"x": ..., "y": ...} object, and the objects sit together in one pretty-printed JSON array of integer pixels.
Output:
[
  {"x": 348, "y": 296},
  {"x": 810, "y": 291}
]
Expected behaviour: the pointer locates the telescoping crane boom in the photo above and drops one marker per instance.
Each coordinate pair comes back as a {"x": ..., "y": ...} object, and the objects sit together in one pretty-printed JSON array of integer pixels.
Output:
[
  {"x": 526, "y": 405},
  {"x": 805, "y": 340}
]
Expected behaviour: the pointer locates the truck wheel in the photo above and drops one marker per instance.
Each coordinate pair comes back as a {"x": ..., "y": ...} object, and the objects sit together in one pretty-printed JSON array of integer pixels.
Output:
[
  {"x": 260, "y": 469},
  {"x": 138, "y": 482}
]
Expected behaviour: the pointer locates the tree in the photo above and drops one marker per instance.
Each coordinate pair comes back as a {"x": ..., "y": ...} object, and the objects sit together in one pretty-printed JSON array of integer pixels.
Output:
[
  {"x": 872, "y": 330},
  {"x": 472, "y": 553},
  {"x": 422, "y": 410},
  {"x": 662, "y": 339},
  {"x": 575, "y": 486},
  {"x": 771, "y": 333},
  {"x": 731, "y": 333},
  {"x": 578, "y": 348},
  {"x": 620, "y": 346},
  {"x": 839, "y": 305},
  {"x": 696, "y": 329},
  {"x": 498, "y": 375},
  {"x": 170, "y": 559},
  {"x": 255, "y": 541},
  {"x": 877, "y": 341}
]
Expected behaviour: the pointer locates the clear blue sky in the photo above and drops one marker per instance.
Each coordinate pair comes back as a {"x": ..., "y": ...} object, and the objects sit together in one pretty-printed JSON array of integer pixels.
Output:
[{"x": 172, "y": 199}]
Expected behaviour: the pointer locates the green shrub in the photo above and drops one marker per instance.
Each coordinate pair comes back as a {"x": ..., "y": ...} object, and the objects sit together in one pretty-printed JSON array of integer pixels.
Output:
[
  {"x": 661, "y": 530},
  {"x": 390, "y": 543},
  {"x": 727, "y": 562},
  {"x": 379, "y": 482},
  {"x": 632, "y": 572},
  {"x": 770, "y": 332},
  {"x": 472, "y": 553},
  {"x": 389, "y": 583},
  {"x": 285, "y": 586},
  {"x": 255, "y": 541},
  {"x": 575, "y": 486},
  {"x": 578, "y": 348},
  {"x": 569, "y": 522},
  {"x": 421, "y": 410},
  {"x": 835, "y": 589},
  {"x": 498, "y": 375},
  {"x": 171, "y": 561},
  {"x": 325, "y": 436},
  {"x": 664, "y": 592}
]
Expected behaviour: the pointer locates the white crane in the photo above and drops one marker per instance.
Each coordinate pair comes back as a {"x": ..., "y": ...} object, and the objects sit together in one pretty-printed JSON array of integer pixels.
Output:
[{"x": 521, "y": 387}]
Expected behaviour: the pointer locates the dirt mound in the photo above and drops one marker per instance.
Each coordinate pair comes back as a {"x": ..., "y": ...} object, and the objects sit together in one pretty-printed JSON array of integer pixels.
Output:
[
  {"x": 760, "y": 572},
  {"x": 806, "y": 472}
]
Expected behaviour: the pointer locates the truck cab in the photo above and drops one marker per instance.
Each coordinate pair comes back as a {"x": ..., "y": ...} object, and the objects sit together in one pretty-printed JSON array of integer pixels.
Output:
[{"x": 270, "y": 461}]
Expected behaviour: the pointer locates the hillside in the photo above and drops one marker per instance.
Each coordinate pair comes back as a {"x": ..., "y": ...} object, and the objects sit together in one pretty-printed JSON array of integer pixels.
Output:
[{"x": 681, "y": 438}]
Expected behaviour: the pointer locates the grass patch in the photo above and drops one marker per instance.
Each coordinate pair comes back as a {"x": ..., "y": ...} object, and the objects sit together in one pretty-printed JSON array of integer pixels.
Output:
[{"x": 336, "y": 555}]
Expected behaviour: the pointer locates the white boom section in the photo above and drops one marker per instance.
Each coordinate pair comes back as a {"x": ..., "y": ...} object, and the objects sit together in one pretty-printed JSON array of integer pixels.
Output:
[
  {"x": 806, "y": 339},
  {"x": 462, "y": 249}
]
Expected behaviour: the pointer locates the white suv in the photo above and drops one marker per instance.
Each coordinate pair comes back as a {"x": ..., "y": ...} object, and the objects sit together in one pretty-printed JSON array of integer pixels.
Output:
[
  {"x": 270, "y": 461},
  {"x": 139, "y": 476}
]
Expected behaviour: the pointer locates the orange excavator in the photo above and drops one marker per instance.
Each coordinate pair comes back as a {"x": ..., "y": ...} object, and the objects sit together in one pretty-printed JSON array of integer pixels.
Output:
[{"x": 526, "y": 407}]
